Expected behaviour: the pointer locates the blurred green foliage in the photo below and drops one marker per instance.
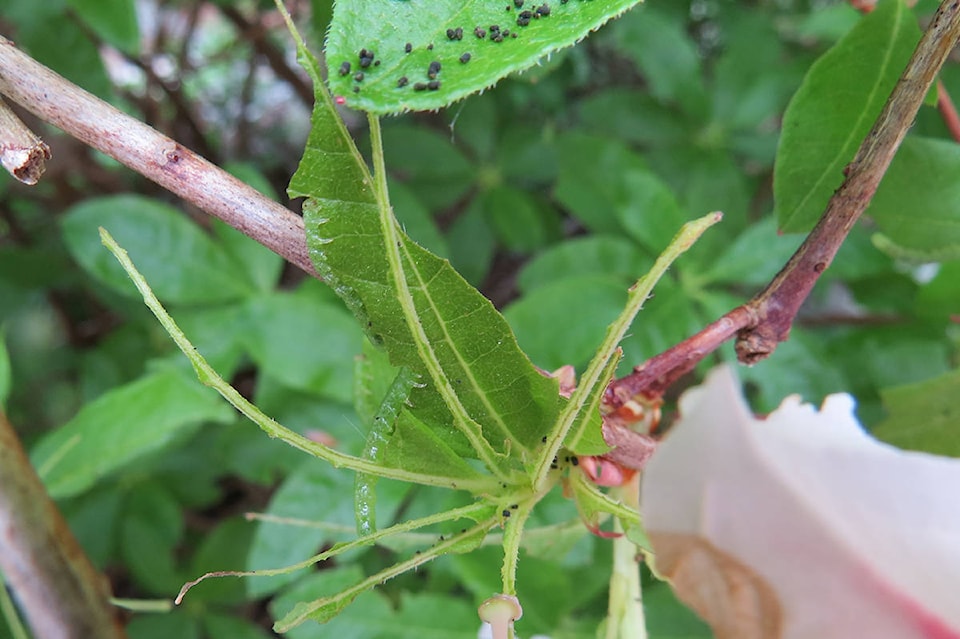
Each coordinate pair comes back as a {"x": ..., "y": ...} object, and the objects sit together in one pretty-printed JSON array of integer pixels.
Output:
[{"x": 550, "y": 193}]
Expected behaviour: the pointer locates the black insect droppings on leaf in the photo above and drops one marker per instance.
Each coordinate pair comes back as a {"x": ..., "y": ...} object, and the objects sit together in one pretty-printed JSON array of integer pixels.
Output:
[
  {"x": 433, "y": 69},
  {"x": 345, "y": 68},
  {"x": 420, "y": 86},
  {"x": 543, "y": 10},
  {"x": 465, "y": 58},
  {"x": 433, "y": 85},
  {"x": 480, "y": 32},
  {"x": 402, "y": 82},
  {"x": 524, "y": 17},
  {"x": 358, "y": 76},
  {"x": 407, "y": 48}
]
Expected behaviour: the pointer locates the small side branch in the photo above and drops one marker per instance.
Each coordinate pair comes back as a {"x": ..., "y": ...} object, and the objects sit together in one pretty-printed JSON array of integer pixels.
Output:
[
  {"x": 22, "y": 153},
  {"x": 152, "y": 154},
  {"x": 765, "y": 321}
]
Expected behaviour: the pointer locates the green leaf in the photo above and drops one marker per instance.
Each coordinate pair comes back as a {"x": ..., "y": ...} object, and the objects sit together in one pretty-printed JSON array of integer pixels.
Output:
[
  {"x": 113, "y": 20},
  {"x": 472, "y": 244},
  {"x": 522, "y": 224},
  {"x": 666, "y": 55},
  {"x": 589, "y": 183},
  {"x": 151, "y": 527},
  {"x": 218, "y": 625},
  {"x": 429, "y": 162},
  {"x": 924, "y": 415},
  {"x": 416, "y": 220},
  {"x": 178, "y": 623},
  {"x": 938, "y": 299},
  {"x": 821, "y": 136},
  {"x": 386, "y": 29},
  {"x": 129, "y": 422},
  {"x": 315, "y": 492},
  {"x": 755, "y": 255},
  {"x": 415, "y": 305},
  {"x": 222, "y": 548},
  {"x": 304, "y": 342},
  {"x": 599, "y": 255},
  {"x": 918, "y": 203},
  {"x": 648, "y": 210},
  {"x": 563, "y": 321},
  {"x": 183, "y": 264}
]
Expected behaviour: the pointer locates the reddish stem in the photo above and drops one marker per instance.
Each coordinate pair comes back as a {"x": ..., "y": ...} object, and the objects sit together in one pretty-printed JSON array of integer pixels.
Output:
[
  {"x": 765, "y": 321},
  {"x": 948, "y": 111}
]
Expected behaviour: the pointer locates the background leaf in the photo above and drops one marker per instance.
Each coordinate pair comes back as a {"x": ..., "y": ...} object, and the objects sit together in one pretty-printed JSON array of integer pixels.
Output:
[
  {"x": 182, "y": 264},
  {"x": 386, "y": 29},
  {"x": 834, "y": 108},
  {"x": 923, "y": 415},
  {"x": 918, "y": 203},
  {"x": 121, "y": 426}
]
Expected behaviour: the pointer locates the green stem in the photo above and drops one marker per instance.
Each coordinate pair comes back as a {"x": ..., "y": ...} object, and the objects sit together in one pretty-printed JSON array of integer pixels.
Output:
[
  {"x": 625, "y": 618},
  {"x": 398, "y": 529},
  {"x": 393, "y": 245},
  {"x": 209, "y": 377},
  {"x": 639, "y": 293},
  {"x": 512, "y": 538},
  {"x": 302, "y": 612}
]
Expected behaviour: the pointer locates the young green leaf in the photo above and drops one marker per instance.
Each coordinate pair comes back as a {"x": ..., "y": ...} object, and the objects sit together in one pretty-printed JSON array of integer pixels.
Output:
[
  {"x": 820, "y": 135},
  {"x": 383, "y": 57}
]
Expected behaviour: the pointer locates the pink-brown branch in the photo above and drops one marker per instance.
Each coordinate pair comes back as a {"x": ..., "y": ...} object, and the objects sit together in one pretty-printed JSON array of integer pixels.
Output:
[{"x": 765, "y": 321}]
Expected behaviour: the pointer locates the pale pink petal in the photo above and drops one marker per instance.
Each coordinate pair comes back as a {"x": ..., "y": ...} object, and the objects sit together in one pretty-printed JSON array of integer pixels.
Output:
[{"x": 802, "y": 525}]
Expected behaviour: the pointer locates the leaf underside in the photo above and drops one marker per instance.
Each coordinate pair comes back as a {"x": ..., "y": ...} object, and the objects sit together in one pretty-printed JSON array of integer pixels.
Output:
[{"x": 498, "y": 387}]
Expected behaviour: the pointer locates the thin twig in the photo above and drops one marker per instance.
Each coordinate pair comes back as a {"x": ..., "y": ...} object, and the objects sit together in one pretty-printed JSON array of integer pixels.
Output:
[
  {"x": 765, "y": 321},
  {"x": 60, "y": 592},
  {"x": 159, "y": 158}
]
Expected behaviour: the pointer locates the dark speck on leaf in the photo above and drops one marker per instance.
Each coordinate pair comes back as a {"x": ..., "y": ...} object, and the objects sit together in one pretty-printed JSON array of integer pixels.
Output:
[
  {"x": 543, "y": 10},
  {"x": 345, "y": 68},
  {"x": 358, "y": 76},
  {"x": 433, "y": 85},
  {"x": 465, "y": 58},
  {"x": 430, "y": 47},
  {"x": 513, "y": 35},
  {"x": 402, "y": 82},
  {"x": 407, "y": 48},
  {"x": 524, "y": 17},
  {"x": 420, "y": 86},
  {"x": 455, "y": 34},
  {"x": 433, "y": 70},
  {"x": 480, "y": 32},
  {"x": 575, "y": 461},
  {"x": 356, "y": 89},
  {"x": 518, "y": 4},
  {"x": 377, "y": 63}
]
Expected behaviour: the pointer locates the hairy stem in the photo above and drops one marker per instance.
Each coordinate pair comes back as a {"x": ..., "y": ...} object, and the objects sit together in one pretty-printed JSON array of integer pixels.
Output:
[{"x": 765, "y": 321}]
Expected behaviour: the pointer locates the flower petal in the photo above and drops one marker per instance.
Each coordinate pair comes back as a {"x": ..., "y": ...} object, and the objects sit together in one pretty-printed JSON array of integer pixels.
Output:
[{"x": 802, "y": 525}]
